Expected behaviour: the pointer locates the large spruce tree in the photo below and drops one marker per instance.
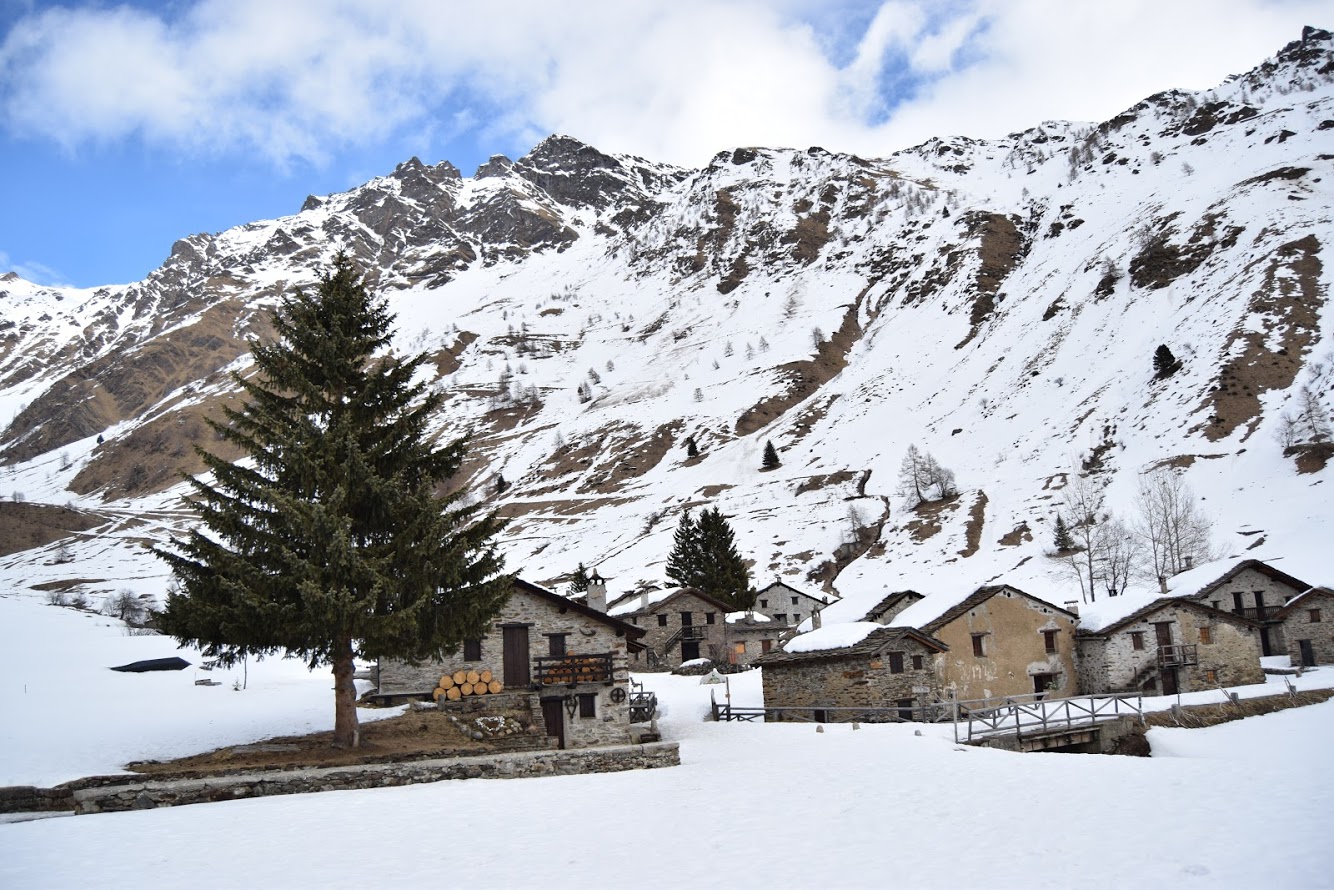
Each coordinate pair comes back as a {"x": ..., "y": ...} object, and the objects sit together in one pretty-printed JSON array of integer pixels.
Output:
[
  {"x": 704, "y": 556},
  {"x": 332, "y": 541}
]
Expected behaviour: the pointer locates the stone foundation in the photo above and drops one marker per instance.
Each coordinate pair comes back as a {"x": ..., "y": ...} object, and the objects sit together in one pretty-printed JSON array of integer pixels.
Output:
[{"x": 107, "y": 794}]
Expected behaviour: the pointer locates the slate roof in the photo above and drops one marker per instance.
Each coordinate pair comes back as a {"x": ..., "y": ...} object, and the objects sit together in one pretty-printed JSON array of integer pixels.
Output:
[
  {"x": 980, "y": 596},
  {"x": 631, "y": 632},
  {"x": 889, "y": 602},
  {"x": 655, "y": 606},
  {"x": 1263, "y": 568},
  {"x": 876, "y": 642},
  {"x": 1303, "y": 600},
  {"x": 1163, "y": 602}
]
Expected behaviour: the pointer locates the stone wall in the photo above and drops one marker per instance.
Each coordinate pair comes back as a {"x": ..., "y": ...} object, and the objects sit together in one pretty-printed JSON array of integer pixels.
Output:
[
  {"x": 147, "y": 795},
  {"x": 1248, "y": 582},
  {"x": 584, "y": 635},
  {"x": 1298, "y": 626},
  {"x": 853, "y": 682},
  {"x": 1014, "y": 649},
  {"x": 666, "y": 652}
]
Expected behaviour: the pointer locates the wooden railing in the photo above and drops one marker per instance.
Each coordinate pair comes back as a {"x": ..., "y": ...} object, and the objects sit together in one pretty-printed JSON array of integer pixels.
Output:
[
  {"x": 643, "y": 705},
  {"x": 1029, "y": 714},
  {"x": 571, "y": 669},
  {"x": 928, "y": 713},
  {"x": 1178, "y": 655}
]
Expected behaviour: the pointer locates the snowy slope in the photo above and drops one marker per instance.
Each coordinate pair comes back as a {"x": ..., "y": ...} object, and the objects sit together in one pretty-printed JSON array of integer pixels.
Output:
[{"x": 995, "y": 303}]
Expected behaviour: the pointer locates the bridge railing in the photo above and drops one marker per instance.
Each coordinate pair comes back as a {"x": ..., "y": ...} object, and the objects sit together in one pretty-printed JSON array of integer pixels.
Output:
[{"x": 985, "y": 718}]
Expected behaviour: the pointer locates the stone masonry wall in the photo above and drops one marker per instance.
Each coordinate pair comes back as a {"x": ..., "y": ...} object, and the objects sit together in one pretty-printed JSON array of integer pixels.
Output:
[
  {"x": 856, "y": 682},
  {"x": 1014, "y": 649},
  {"x": 1298, "y": 626},
  {"x": 610, "y": 724},
  {"x": 656, "y": 636},
  {"x": 147, "y": 795},
  {"x": 1247, "y": 582}
]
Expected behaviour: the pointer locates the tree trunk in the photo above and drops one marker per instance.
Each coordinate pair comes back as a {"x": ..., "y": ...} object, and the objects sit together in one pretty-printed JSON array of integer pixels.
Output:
[{"x": 347, "y": 734}]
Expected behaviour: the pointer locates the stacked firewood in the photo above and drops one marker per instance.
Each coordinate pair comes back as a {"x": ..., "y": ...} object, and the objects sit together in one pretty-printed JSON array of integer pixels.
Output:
[{"x": 460, "y": 683}]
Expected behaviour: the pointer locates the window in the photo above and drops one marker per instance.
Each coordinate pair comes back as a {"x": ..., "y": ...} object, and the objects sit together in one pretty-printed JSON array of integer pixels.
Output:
[
  {"x": 979, "y": 647},
  {"x": 1315, "y": 616},
  {"x": 917, "y": 662},
  {"x": 781, "y": 616},
  {"x": 794, "y": 600},
  {"x": 1206, "y": 634},
  {"x": 896, "y": 662},
  {"x": 472, "y": 650},
  {"x": 556, "y": 645},
  {"x": 1236, "y": 602},
  {"x": 635, "y": 620},
  {"x": 687, "y": 619},
  {"x": 708, "y": 617},
  {"x": 796, "y": 617},
  {"x": 1137, "y": 639},
  {"x": 765, "y": 646},
  {"x": 1211, "y": 676},
  {"x": 1049, "y": 640},
  {"x": 764, "y": 604},
  {"x": 588, "y": 704},
  {"x": 739, "y": 648},
  {"x": 662, "y": 621}
]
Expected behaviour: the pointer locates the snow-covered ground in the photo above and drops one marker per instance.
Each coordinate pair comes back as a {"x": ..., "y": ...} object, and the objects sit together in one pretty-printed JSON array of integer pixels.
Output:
[{"x": 781, "y": 805}]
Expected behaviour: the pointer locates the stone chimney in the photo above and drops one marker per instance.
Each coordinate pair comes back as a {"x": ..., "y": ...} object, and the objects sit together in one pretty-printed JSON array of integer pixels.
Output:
[
  {"x": 1072, "y": 606},
  {"x": 816, "y": 622},
  {"x": 597, "y": 592},
  {"x": 1162, "y": 584}
]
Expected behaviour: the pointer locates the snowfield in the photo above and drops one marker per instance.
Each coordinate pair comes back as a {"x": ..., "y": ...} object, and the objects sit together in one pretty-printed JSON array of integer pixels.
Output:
[{"x": 779, "y": 805}]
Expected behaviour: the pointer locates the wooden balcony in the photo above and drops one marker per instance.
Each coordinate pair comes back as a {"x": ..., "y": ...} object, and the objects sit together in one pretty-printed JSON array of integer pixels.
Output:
[
  {"x": 569, "y": 670},
  {"x": 1177, "y": 656}
]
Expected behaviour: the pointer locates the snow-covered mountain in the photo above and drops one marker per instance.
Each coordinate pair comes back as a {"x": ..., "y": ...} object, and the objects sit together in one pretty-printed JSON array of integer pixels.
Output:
[{"x": 996, "y": 303}]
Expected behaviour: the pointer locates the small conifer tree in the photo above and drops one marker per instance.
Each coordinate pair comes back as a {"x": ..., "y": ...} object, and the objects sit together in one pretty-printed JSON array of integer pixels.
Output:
[
  {"x": 579, "y": 581},
  {"x": 771, "y": 461},
  {"x": 1165, "y": 364},
  {"x": 1063, "y": 541}
]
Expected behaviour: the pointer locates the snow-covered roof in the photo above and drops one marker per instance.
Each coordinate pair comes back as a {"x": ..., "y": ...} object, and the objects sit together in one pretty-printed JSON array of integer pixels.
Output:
[
  {"x": 638, "y": 601},
  {"x": 747, "y": 617},
  {"x": 833, "y": 636}
]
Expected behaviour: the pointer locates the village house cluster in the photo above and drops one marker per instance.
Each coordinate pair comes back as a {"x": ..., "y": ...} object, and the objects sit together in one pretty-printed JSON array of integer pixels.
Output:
[{"x": 563, "y": 664}]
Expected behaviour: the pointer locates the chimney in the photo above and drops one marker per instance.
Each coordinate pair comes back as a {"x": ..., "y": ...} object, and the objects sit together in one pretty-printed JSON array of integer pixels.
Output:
[
  {"x": 1190, "y": 562},
  {"x": 1072, "y": 606},
  {"x": 1162, "y": 584},
  {"x": 815, "y": 620},
  {"x": 597, "y": 592}
]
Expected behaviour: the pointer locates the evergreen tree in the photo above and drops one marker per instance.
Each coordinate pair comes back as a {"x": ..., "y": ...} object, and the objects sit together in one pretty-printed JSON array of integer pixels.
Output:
[
  {"x": 1165, "y": 364},
  {"x": 331, "y": 542},
  {"x": 771, "y": 461},
  {"x": 704, "y": 556},
  {"x": 579, "y": 582},
  {"x": 692, "y": 449},
  {"x": 1063, "y": 542}
]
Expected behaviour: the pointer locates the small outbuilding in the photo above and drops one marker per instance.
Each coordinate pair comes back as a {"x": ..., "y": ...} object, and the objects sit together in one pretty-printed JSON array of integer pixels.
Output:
[{"x": 1307, "y": 622}]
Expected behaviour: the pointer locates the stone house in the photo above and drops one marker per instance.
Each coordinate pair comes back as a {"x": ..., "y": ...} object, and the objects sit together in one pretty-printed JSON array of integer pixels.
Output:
[
  {"x": 1254, "y": 590},
  {"x": 752, "y": 634},
  {"x": 1001, "y": 641},
  {"x": 1168, "y": 646},
  {"x": 788, "y": 605},
  {"x": 678, "y": 624},
  {"x": 559, "y": 665},
  {"x": 889, "y": 667},
  {"x": 1307, "y": 622}
]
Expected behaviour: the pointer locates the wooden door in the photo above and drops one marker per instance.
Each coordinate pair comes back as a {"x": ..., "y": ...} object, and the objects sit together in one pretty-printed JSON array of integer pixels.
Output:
[
  {"x": 1041, "y": 683},
  {"x": 1170, "y": 681},
  {"x": 1308, "y": 653},
  {"x": 1164, "y": 631},
  {"x": 1266, "y": 647},
  {"x": 553, "y": 715},
  {"x": 515, "y": 643},
  {"x": 689, "y": 650}
]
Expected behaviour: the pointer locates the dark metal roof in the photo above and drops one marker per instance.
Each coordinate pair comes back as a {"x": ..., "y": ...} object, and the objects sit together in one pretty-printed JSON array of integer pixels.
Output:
[{"x": 877, "y": 641}]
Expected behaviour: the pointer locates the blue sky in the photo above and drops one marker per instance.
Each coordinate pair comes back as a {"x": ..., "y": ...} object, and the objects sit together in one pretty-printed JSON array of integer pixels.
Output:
[{"x": 124, "y": 127}]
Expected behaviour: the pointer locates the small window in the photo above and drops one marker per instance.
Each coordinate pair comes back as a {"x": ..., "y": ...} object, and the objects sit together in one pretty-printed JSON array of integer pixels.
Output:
[
  {"x": 781, "y": 616},
  {"x": 1137, "y": 639},
  {"x": 588, "y": 704},
  {"x": 662, "y": 621},
  {"x": 794, "y": 600},
  {"x": 1211, "y": 676},
  {"x": 765, "y": 646},
  {"x": 709, "y": 617},
  {"x": 472, "y": 650},
  {"x": 556, "y": 645},
  {"x": 1315, "y": 616},
  {"x": 1206, "y": 634},
  {"x": 764, "y": 604},
  {"x": 979, "y": 647},
  {"x": 687, "y": 619},
  {"x": 896, "y": 662},
  {"x": 917, "y": 662},
  {"x": 796, "y": 617},
  {"x": 1049, "y": 640},
  {"x": 635, "y": 620},
  {"x": 739, "y": 648}
]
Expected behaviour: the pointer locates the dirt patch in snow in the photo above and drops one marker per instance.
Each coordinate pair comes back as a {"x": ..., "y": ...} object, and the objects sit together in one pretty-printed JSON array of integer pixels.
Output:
[
  {"x": 24, "y": 525},
  {"x": 415, "y": 735},
  {"x": 1020, "y": 535},
  {"x": 1000, "y": 248},
  {"x": 976, "y": 519},
  {"x": 930, "y": 518},
  {"x": 1287, "y": 307},
  {"x": 822, "y": 480}
]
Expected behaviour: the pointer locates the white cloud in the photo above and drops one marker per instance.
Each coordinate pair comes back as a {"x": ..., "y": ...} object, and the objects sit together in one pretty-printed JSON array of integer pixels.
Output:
[
  {"x": 34, "y": 272},
  {"x": 673, "y": 81}
]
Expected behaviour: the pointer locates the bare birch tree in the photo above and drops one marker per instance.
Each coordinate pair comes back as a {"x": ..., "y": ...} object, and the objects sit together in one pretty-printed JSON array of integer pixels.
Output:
[{"x": 1173, "y": 529}]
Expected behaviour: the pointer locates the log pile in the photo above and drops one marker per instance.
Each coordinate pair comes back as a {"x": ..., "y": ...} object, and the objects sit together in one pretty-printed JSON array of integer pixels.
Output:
[
  {"x": 577, "y": 669},
  {"x": 463, "y": 683}
]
